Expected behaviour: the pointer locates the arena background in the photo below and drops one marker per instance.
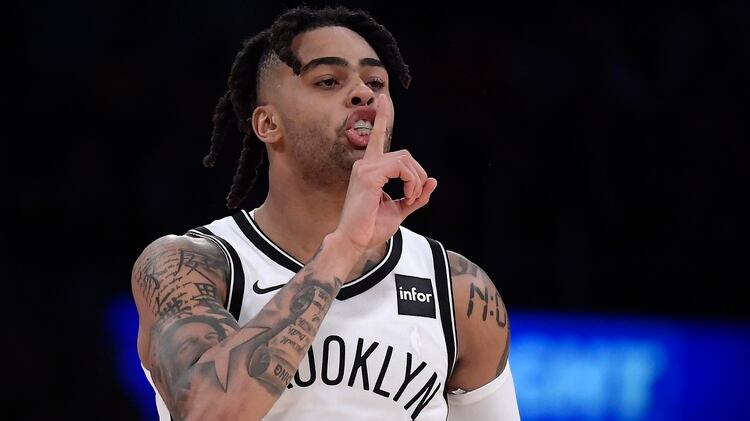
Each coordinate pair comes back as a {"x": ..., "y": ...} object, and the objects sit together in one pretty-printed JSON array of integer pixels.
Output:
[{"x": 592, "y": 159}]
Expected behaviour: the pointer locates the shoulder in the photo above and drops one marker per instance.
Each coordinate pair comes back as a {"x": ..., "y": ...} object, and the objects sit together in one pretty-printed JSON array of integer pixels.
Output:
[
  {"x": 181, "y": 246},
  {"x": 177, "y": 258},
  {"x": 172, "y": 241},
  {"x": 472, "y": 287},
  {"x": 482, "y": 324}
]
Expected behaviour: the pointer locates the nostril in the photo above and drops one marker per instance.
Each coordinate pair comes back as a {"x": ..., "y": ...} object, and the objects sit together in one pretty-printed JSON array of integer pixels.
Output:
[
  {"x": 356, "y": 100},
  {"x": 370, "y": 101}
]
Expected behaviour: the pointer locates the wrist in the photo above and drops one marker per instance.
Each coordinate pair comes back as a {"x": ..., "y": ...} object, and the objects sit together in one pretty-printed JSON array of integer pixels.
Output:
[{"x": 346, "y": 251}]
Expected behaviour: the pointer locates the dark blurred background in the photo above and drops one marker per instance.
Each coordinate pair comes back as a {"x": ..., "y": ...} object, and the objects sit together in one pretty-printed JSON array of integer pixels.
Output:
[{"x": 592, "y": 159}]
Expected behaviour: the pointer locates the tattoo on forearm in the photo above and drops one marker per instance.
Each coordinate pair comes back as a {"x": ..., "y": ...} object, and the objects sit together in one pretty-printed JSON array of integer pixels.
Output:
[{"x": 271, "y": 364}]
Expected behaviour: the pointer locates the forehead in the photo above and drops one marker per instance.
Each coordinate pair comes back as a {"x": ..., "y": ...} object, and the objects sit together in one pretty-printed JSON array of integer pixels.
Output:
[{"x": 332, "y": 41}]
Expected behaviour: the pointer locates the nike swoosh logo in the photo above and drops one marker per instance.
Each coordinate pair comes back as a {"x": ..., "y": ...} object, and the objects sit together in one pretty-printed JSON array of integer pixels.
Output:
[{"x": 258, "y": 290}]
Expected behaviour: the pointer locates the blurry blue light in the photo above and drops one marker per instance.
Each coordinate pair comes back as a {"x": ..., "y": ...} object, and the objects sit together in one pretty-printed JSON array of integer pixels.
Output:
[
  {"x": 122, "y": 326},
  {"x": 596, "y": 367},
  {"x": 574, "y": 367}
]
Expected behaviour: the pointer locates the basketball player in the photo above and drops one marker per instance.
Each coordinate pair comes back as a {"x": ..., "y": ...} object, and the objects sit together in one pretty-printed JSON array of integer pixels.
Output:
[{"x": 319, "y": 304}]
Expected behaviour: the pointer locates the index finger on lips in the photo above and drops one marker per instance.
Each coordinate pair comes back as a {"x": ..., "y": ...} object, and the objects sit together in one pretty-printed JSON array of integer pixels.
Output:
[{"x": 379, "y": 130}]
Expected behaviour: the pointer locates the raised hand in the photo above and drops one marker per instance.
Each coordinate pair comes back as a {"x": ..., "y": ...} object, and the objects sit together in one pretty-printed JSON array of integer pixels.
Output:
[{"x": 370, "y": 216}]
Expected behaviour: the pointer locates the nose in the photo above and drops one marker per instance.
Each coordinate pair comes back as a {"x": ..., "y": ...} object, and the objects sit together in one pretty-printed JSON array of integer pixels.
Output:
[{"x": 362, "y": 95}]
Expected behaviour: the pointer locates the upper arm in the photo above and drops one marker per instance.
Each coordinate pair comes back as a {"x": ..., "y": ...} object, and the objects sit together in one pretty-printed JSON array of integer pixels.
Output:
[
  {"x": 482, "y": 324},
  {"x": 179, "y": 285}
]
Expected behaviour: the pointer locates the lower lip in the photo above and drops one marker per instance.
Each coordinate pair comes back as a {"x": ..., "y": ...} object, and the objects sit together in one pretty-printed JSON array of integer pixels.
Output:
[{"x": 357, "y": 140}]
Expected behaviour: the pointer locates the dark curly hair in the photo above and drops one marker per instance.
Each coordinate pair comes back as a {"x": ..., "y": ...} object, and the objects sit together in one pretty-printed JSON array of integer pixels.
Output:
[{"x": 257, "y": 52}]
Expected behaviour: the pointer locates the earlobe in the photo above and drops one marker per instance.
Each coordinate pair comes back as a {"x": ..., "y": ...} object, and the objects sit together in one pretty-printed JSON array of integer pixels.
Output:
[{"x": 264, "y": 121}]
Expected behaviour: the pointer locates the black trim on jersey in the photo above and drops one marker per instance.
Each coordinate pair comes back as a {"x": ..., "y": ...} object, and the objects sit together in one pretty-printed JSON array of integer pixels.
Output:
[
  {"x": 357, "y": 286},
  {"x": 236, "y": 287},
  {"x": 444, "y": 286},
  {"x": 268, "y": 247}
]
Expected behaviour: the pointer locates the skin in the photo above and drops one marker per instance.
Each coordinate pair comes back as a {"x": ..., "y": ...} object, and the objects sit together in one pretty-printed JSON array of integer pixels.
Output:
[{"x": 326, "y": 207}]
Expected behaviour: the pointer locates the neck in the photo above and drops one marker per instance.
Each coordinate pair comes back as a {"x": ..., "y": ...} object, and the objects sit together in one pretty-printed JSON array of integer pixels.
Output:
[{"x": 297, "y": 215}]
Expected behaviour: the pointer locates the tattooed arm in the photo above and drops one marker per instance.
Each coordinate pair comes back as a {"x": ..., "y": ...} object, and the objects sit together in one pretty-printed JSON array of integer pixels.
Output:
[
  {"x": 482, "y": 323},
  {"x": 204, "y": 365}
]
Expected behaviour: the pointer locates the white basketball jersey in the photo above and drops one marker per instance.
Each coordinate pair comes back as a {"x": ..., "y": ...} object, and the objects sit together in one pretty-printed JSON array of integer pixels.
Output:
[{"x": 387, "y": 345}]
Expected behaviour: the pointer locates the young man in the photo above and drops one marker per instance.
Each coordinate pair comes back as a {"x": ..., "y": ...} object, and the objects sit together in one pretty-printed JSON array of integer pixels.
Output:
[{"x": 319, "y": 304}]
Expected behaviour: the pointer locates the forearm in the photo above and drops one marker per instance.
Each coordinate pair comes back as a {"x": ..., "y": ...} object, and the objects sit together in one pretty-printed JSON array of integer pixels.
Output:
[{"x": 248, "y": 371}]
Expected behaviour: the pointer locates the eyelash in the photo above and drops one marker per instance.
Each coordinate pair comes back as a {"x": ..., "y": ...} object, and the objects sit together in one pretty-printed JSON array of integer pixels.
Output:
[
  {"x": 323, "y": 84},
  {"x": 378, "y": 84}
]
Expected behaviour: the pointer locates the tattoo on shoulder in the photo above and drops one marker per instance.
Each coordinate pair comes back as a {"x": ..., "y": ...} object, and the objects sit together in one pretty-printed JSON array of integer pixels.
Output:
[
  {"x": 484, "y": 300},
  {"x": 462, "y": 266},
  {"x": 158, "y": 277}
]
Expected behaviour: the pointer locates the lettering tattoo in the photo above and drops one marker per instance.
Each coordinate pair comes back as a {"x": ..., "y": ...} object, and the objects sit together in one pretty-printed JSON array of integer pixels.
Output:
[
  {"x": 159, "y": 276},
  {"x": 292, "y": 337},
  {"x": 484, "y": 301},
  {"x": 482, "y": 295},
  {"x": 482, "y": 291},
  {"x": 196, "y": 346}
]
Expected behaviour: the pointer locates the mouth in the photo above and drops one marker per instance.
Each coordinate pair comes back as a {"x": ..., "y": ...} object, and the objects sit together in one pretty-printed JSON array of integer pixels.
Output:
[{"x": 359, "y": 127}]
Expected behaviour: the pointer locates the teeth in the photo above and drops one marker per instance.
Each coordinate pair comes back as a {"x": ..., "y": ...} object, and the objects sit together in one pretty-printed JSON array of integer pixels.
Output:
[
  {"x": 363, "y": 131},
  {"x": 362, "y": 124}
]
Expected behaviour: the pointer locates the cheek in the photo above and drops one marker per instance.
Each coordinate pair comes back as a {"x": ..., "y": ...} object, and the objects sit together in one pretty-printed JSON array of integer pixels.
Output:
[{"x": 316, "y": 123}]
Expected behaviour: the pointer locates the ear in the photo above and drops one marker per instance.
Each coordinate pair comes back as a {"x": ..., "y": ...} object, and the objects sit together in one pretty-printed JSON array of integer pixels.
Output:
[{"x": 266, "y": 125}]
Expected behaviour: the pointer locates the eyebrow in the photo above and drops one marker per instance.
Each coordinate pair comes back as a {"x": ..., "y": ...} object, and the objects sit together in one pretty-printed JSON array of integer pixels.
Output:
[{"x": 338, "y": 61}]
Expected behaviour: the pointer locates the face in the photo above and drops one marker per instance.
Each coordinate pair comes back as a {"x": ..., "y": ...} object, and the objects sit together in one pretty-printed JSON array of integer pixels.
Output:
[
  {"x": 338, "y": 85},
  {"x": 190, "y": 341}
]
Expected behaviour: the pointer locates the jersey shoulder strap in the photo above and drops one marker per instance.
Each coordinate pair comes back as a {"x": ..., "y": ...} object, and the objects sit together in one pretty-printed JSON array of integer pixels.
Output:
[{"x": 236, "y": 287}]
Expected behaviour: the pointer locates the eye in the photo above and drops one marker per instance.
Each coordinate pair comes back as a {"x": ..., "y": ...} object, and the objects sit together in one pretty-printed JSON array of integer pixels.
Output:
[
  {"x": 327, "y": 83},
  {"x": 376, "y": 84}
]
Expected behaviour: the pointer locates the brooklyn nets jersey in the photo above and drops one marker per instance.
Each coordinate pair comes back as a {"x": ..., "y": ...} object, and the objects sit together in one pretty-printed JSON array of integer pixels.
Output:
[{"x": 387, "y": 345}]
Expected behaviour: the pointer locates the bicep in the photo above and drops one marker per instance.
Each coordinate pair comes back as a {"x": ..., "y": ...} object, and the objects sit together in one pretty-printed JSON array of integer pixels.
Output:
[
  {"x": 482, "y": 323},
  {"x": 179, "y": 285}
]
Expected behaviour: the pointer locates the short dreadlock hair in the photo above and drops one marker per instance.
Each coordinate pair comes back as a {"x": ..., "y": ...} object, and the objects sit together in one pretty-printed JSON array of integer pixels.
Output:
[{"x": 256, "y": 54}]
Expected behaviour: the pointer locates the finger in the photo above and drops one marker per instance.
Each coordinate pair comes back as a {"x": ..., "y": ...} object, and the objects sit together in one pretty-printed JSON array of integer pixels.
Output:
[
  {"x": 380, "y": 171},
  {"x": 379, "y": 131},
  {"x": 422, "y": 173},
  {"x": 411, "y": 190},
  {"x": 429, "y": 187},
  {"x": 419, "y": 182},
  {"x": 411, "y": 180}
]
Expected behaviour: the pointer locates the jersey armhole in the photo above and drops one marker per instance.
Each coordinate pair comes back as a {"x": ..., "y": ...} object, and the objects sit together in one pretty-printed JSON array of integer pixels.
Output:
[
  {"x": 236, "y": 287},
  {"x": 444, "y": 286}
]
